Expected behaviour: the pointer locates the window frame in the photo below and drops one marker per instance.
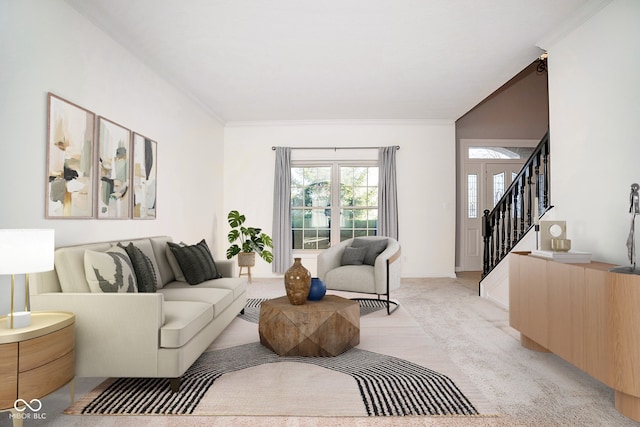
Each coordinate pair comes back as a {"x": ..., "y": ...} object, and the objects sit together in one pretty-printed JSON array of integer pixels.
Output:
[{"x": 335, "y": 165}]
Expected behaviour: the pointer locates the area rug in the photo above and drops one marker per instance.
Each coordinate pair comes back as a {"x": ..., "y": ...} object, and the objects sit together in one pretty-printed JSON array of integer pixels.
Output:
[{"x": 394, "y": 371}]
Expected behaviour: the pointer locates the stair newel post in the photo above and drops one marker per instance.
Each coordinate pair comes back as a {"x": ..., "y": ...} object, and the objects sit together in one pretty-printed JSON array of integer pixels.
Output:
[
  {"x": 496, "y": 235},
  {"x": 486, "y": 232}
]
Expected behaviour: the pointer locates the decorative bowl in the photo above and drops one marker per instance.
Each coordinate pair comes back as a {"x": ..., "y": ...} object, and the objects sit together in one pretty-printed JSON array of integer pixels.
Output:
[{"x": 560, "y": 245}]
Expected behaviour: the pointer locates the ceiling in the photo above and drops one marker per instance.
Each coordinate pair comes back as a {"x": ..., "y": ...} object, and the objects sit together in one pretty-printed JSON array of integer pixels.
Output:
[{"x": 255, "y": 60}]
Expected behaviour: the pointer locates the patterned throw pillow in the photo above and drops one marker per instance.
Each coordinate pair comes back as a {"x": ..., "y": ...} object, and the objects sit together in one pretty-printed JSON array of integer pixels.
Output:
[
  {"x": 195, "y": 262},
  {"x": 109, "y": 271},
  {"x": 374, "y": 248},
  {"x": 143, "y": 267}
]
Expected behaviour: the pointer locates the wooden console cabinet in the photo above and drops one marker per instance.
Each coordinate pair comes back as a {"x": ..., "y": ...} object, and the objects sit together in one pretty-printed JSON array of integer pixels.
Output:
[
  {"x": 583, "y": 313},
  {"x": 36, "y": 360}
]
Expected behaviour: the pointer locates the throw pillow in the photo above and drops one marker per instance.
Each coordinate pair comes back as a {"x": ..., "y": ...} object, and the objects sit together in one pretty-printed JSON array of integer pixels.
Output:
[
  {"x": 353, "y": 256},
  {"x": 173, "y": 263},
  {"x": 109, "y": 271},
  {"x": 374, "y": 248},
  {"x": 195, "y": 262},
  {"x": 146, "y": 278}
]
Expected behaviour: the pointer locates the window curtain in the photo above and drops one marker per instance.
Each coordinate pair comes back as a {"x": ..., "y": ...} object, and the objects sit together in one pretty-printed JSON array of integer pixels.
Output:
[
  {"x": 282, "y": 253},
  {"x": 387, "y": 193}
]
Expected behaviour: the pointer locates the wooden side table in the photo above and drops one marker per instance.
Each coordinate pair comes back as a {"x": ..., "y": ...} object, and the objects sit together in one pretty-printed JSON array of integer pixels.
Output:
[
  {"x": 35, "y": 361},
  {"x": 328, "y": 327}
]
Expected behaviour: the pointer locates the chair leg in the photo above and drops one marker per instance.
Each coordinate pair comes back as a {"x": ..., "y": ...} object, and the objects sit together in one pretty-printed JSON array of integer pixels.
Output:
[{"x": 387, "y": 302}]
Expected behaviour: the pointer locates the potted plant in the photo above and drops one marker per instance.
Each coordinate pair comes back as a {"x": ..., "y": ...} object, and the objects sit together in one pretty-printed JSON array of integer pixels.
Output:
[{"x": 247, "y": 241}]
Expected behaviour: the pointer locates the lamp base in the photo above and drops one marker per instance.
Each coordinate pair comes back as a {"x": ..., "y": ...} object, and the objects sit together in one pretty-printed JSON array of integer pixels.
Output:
[{"x": 21, "y": 319}]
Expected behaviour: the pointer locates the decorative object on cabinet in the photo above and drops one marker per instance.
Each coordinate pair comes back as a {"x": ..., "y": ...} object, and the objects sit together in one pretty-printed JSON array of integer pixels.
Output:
[
  {"x": 24, "y": 252},
  {"x": 145, "y": 173},
  {"x": 634, "y": 209},
  {"x": 550, "y": 230},
  {"x": 114, "y": 164},
  {"x": 70, "y": 150}
]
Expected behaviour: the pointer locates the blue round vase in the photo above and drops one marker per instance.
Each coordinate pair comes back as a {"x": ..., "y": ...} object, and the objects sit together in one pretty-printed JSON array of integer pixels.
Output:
[{"x": 318, "y": 289}]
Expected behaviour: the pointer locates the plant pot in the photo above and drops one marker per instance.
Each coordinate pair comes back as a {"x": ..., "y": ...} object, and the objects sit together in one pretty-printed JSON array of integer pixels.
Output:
[{"x": 246, "y": 259}]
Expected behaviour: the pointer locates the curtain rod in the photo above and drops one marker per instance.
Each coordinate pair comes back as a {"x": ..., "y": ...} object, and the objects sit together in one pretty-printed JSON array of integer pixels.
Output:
[{"x": 335, "y": 148}]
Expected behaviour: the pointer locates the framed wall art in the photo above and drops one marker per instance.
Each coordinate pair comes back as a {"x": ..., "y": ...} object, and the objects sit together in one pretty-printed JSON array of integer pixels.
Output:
[
  {"x": 114, "y": 170},
  {"x": 70, "y": 151},
  {"x": 145, "y": 173}
]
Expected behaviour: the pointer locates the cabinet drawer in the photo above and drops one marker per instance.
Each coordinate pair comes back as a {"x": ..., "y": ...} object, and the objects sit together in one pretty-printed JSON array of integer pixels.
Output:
[
  {"x": 47, "y": 378},
  {"x": 8, "y": 374},
  {"x": 39, "y": 351}
]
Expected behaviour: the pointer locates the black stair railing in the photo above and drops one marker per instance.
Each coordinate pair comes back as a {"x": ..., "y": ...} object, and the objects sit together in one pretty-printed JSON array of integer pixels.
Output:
[{"x": 512, "y": 217}]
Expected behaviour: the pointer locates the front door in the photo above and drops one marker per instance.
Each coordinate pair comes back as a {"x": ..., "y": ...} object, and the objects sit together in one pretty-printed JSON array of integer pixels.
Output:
[{"x": 498, "y": 177}]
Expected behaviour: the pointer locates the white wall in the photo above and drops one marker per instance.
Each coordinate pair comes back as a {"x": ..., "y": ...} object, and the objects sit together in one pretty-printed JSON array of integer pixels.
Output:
[
  {"x": 594, "y": 97},
  {"x": 48, "y": 47},
  {"x": 426, "y": 180}
]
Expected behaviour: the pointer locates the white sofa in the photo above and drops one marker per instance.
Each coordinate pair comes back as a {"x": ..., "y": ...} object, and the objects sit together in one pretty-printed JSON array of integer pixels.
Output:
[{"x": 156, "y": 334}]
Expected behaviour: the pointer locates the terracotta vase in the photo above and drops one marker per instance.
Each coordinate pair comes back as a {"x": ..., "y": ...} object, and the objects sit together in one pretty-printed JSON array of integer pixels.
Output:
[{"x": 297, "y": 282}]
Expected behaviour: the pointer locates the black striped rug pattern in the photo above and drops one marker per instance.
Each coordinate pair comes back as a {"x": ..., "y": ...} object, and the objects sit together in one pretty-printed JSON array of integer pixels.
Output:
[
  {"x": 252, "y": 308},
  {"x": 389, "y": 386}
]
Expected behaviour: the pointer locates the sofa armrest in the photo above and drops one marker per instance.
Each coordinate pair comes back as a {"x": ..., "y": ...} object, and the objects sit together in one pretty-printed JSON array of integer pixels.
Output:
[{"x": 117, "y": 335}]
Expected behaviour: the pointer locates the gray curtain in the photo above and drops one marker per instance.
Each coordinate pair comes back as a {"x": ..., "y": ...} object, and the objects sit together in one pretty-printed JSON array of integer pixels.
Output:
[
  {"x": 282, "y": 253},
  {"x": 387, "y": 193}
]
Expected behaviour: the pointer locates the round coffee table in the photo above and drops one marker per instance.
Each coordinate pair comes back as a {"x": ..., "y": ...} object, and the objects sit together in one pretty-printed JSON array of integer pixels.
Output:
[{"x": 328, "y": 327}]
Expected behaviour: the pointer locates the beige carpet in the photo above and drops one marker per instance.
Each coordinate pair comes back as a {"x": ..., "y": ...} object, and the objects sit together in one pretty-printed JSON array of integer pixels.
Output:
[
  {"x": 528, "y": 389},
  {"x": 299, "y": 388}
]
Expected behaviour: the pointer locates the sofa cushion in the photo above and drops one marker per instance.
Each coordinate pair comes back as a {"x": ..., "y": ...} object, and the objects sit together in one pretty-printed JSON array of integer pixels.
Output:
[
  {"x": 352, "y": 278},
  {"x": 160, "y": 249},
  {"x": 183, "y": 321},
  {"x": 237, "y": 285},
  {"x": 146, "y": 278},
  {"x": 219, "y": 299},
  {"x": 173, "y": 262},
  {"x": 353, "y": 256},
  {"x": 195, "y": 262},
  {"x": 69, "y": 262},
  {"x": 109, "y": 271},
  {"x": 374, "y": 248}
]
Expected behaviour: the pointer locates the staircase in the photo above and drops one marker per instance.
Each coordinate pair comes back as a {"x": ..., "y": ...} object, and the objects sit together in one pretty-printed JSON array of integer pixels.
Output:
[{"x": 512, "y": 217}]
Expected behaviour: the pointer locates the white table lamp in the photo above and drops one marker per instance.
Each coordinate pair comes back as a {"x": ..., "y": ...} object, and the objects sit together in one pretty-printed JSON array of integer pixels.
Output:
[{"x": 24, "y": 252}]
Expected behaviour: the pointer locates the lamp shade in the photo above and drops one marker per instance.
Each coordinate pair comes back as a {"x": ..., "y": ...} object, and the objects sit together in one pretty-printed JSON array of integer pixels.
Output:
[{"x": 26, "y": 251}]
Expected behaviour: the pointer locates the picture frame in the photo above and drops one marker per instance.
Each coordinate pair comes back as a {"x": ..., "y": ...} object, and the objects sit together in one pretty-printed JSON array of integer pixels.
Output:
[
  {"x": 144, "y": 176},
  {"x": 113, "y": 199},
  {"x": 70, "y": 186}
]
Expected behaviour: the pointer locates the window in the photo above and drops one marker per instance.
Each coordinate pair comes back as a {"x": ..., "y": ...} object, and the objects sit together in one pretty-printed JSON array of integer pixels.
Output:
[
  {"x": 314, "y": 193},
  {"x": 500, "y": 152},
  {"x": 472, "y": 196}
]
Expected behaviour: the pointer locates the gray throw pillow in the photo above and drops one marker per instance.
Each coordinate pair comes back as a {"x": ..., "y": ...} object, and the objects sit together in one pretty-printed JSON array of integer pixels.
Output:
[
  {"x": 143, "y": 267},
  {"x": 374, "y": 248},
  {"x": 195, "y": 262},
  {"x": 353, "y": 256}
]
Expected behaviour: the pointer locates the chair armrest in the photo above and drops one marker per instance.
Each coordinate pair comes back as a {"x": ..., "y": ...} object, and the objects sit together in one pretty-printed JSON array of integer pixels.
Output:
[
  {"x": 330, "y": 258},
  {"x": 392, "y": 254},
  {"x": 117, "y": 335}
]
